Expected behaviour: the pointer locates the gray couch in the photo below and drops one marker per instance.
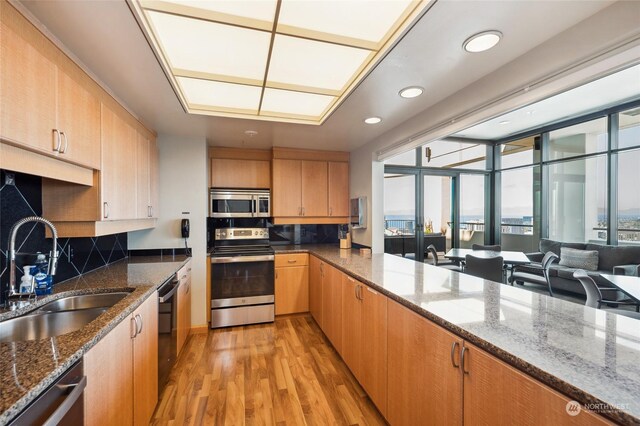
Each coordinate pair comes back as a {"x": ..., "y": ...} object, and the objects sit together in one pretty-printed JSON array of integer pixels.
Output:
[{"x": 620, "y": 260}]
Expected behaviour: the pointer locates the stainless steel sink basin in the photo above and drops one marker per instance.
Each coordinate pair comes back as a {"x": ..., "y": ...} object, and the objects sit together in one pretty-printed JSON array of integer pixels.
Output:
[
  {"x": 46, "y": 324},
  {"x": 85, "y": 301}
]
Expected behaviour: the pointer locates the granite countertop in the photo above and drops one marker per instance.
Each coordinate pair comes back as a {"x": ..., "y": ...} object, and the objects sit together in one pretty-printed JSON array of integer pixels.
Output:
[
  {"x": 27, "y": 368},
  {"x": 590, "y": 355}
]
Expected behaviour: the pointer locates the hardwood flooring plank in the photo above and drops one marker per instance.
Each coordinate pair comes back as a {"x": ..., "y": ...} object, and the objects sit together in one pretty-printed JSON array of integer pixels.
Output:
[{"x": 284, "y": 373}]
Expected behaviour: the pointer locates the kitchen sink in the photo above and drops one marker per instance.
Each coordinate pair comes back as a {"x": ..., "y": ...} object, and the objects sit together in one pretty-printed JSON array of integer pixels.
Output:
[
  {"x": 42, "y": 325},
  {"x": 85, "y": 301}
]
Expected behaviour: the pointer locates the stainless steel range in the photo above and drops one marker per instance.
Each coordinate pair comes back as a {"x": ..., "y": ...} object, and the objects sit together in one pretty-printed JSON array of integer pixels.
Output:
[{"x": 242, "y": 277}]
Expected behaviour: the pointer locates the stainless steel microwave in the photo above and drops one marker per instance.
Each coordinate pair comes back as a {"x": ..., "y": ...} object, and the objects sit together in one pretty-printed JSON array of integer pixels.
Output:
[{"x": 227, "y": 203}]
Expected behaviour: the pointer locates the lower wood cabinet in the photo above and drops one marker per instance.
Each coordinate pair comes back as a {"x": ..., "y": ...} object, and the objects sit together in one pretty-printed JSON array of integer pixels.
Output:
[
  {"x": 184, "y": 306},
  {"x": 316, "y": 267},
  {"x": 291, "y": 283},
  {"x": 332, "y": 305},
  {"x": 122, "y": 371}
]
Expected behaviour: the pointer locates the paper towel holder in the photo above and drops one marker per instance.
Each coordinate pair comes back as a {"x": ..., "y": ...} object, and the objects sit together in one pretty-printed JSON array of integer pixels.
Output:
[{"x": 358, "y": 212}]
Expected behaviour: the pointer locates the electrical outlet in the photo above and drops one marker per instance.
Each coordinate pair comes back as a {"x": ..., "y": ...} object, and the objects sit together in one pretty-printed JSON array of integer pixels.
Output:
[{"x": 9, "y": 178}]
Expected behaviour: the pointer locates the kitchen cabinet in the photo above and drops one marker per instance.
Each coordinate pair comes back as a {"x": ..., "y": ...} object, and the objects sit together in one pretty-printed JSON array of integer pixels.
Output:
[
  {"x": 300, "y": 188},
  {"x": 364, "y": 332},
  {"x": 122, "y": 371},
  {"x": 45, "y": 106},
  {"x": 424, "y": 382},
  {"x": 332, "y": 305},
  {"x": 291, "y": 283},
  {"x": 146, "y": 177},
  {"x": 496, "y": 393},
  {"x": 314, "y": 188},
  {"x": 239, "y": 173},
  {"x": 338, "y": 188},
  {"x": 316, "y": 267},
  {"x": 184, "y": 306}
]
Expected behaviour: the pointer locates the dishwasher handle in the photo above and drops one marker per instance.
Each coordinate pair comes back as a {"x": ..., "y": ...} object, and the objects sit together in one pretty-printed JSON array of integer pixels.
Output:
[
  {"x": 69, "y": 401},
  {"x": 162, "y": 298}
]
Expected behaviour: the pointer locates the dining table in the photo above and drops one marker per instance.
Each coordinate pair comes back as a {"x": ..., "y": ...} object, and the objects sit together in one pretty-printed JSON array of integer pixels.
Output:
[
  {"x": 511, "y": 258},
  {"x": 628, "y": 284}
]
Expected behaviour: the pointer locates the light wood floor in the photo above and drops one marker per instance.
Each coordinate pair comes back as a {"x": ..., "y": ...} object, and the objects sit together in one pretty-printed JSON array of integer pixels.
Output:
[{"x": 285, "y": 373}]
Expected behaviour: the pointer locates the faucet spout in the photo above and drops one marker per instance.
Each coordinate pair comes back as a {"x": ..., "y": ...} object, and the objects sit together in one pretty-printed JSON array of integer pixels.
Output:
[{"x": 53, "y": 255}]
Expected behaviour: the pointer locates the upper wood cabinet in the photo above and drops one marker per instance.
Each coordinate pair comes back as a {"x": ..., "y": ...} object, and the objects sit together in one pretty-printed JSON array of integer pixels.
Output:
[
  {"x": 235, "y": 173},
  {"x": 45, "y": 105},
  {"x": 314, "y": 188},
  {"x": 146, "y": 177},
  {"x": 338, "y": 189}
]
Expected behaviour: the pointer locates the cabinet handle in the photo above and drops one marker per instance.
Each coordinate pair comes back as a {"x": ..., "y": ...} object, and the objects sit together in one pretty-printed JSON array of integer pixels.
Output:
[
  {"x": 291, "y": 261},
  {"x": 106, "y": 209},
  {"x": 138, "y": 319},
  {"x": 322, "y": 270},
  {"x": 188, "y": 288},
  {"x": 299, "y": 211},
  {"x": 57, "y": 146},
  {"x": 464, "y": 350},
  {"x": 66, "y": 143},
  {"x": 453, "y": 350},
  {"x": 134, "y": 324},
  {"x": 355, "y": 288},
  {"x": 148, "y": 211},
  {"x": 303, "y": 211}
]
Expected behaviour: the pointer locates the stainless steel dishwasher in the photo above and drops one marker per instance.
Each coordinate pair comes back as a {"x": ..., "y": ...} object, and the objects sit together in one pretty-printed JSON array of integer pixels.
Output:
[
  {"x": 167, "y": 329},
  {"x": 61, "y": 404}
]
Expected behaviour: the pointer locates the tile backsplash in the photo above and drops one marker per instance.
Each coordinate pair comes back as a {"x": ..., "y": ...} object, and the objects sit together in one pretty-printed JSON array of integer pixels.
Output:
[{"x": 23, "y": 198}]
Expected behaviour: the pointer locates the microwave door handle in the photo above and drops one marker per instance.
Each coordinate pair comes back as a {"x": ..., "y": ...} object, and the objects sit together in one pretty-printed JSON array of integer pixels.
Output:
[{"x": 254, "y": 206}]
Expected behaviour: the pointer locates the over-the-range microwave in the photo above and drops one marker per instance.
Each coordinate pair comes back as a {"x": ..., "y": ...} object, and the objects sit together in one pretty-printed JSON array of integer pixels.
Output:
[{"x": 230, "y": 203}]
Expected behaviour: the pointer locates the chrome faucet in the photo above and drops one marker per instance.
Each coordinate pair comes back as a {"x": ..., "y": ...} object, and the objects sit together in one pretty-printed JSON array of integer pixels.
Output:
[{"x": 14, "y": 290}]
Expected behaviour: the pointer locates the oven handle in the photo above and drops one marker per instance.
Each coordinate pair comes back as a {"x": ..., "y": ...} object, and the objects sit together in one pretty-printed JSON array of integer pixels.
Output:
[{"x": 243, "y": 259}]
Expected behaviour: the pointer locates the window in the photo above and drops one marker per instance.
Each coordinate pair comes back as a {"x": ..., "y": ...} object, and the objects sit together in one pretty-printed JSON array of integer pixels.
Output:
[
  {"x": 519, "y": 189},
  {"x": 454, "y": 155},
  {"x": 578, "y": 200},
  {"x": 471, "y": 210},
  {"x": 629, "y": 135},
  {"x": 399, "y": 204},
  {"x": 628, "y": 197},
  {"x": 584, "y": 138},
  {"x": 520, "y": 153}
]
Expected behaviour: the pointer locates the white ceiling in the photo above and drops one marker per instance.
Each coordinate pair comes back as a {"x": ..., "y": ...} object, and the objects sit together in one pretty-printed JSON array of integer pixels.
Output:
[
  {"x": 106, "y": 38},
  {"x": 611, "y": 90}
]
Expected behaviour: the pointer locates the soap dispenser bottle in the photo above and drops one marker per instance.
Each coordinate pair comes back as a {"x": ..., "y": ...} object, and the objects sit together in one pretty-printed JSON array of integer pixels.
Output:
[{"x": 26, "y": 282}]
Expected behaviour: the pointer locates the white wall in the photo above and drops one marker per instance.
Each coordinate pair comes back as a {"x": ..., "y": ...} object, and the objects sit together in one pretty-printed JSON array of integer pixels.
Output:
[
  {"x": 606, "y": 41},
  {"x": 183, "y": 188}
]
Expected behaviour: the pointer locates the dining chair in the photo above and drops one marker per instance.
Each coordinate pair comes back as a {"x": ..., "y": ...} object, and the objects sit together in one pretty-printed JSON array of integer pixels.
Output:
[
  {"x": 529, "y": 277},
  {"x": 487, "y": 268},
  {"x": 594, "y": 295},
  {"x": 447, "y": 264},
  {"x": 483, "y": 247}
]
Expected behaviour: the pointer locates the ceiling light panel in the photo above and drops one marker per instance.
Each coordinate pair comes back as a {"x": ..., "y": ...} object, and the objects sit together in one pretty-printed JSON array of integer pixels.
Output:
[
  {"x": 294, "y": 103},
  {"x": 262, "y": 10},
  {"x": 313, "y": 64},
  {"x": 368, "y": 20},
  {"x": 209, "y": 47},
  {"x": 220, "y": 95}
]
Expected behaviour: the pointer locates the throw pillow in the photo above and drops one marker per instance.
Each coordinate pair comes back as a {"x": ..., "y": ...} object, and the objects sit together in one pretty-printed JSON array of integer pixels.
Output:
[{"x": 581, "y": 259}]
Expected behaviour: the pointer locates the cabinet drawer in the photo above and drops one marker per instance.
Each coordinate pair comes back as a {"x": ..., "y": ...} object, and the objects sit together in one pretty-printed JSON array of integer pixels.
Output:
[{"x": 293, "y": 259}]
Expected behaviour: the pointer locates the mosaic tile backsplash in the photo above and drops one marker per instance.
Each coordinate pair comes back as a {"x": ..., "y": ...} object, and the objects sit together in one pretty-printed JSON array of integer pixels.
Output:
[{"x": 78, "y": 256}]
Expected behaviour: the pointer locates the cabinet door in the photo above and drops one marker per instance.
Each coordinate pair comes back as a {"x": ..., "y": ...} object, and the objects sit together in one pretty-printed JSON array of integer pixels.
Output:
[
  {"x": 184, "y": 312},
  {"x": 351, "y": 325},
  {"x": 118, "y": 175},
  {"x": 374, "y": 349},
  {"x": 108, "y": 397},
  {"x": 338, "y": 189},
  {"x": 496, "y": 393},
  {"x": 315, "y": 288},
  {"x": 78, "y": 113},
  {"x": 143, "y": 177},
  {"x": 332, "y": 305},
  {"x": 234, "y": 173},
  {"x": 145, "y": 362},
  {"x": 287, "y": 187},
  {"x": 292, "y": 290},
  {"x": 28, "y": 93},
  {"x": 314, "y": 188},
  {"x": 154, "y": 178},
  {"x": 423, "y": 382}
]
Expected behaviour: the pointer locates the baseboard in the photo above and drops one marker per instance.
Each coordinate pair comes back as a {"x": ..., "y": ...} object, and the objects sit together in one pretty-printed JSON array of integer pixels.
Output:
[{"x": 199, "y": 329}]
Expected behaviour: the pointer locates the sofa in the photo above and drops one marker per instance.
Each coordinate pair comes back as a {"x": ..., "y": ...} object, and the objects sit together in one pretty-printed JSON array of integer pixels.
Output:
[{"x": 619, "y": 260}]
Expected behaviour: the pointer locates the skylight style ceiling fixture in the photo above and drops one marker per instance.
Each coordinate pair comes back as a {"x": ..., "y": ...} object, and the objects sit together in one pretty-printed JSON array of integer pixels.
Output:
[
  {"x": 277, "y": 60},
  {"x": 482, "y": 41}
]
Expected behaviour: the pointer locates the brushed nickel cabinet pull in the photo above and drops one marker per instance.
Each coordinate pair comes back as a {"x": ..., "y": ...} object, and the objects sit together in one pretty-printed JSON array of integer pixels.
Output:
[
  {"x": 66, "y": 143},
  {"x": 138, "y": 319},
  {"x": 134, "y": 328},
  {"x": 56, "y": 147},
  {"x": 291, "y": 261},
  {"x": 106, "y": 209},
  {"x": 462, "y": 363},
  {"x": 453, "y": 350}
]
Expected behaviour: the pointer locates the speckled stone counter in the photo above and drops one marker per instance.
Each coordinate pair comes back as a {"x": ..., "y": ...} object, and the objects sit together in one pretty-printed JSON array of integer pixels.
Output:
[
  {"x": 27, "y": 368},
  {"x": 590, "y": 355}
]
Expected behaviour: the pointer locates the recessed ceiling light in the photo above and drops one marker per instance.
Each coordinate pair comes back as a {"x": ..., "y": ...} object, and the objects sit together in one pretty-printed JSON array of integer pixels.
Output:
[
  {"x": 482, "y": 41},
  {"x": 250, "y": 133},
  {"x": 503, "y": 122},
  {"x": 372, "y": 120},
  {"x": 411, "y": 92}
]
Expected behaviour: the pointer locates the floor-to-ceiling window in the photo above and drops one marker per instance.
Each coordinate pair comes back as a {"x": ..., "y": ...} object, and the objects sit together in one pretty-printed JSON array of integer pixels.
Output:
[{"x": 628, "y": 162}]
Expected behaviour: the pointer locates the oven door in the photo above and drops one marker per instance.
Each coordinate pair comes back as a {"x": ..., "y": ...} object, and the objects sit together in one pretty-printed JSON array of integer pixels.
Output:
[
  {"x": 242, "y": 280},
  {"x": 226, "y": 205}
]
